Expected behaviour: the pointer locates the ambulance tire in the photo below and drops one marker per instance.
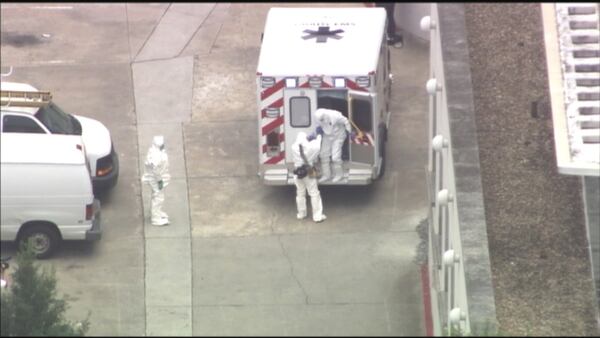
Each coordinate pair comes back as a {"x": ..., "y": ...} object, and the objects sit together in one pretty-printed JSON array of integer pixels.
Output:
[
  {"x": 388, "y": 94},
  {"x": 382, "y": 170},
  {"x": 382, "y": 142}
]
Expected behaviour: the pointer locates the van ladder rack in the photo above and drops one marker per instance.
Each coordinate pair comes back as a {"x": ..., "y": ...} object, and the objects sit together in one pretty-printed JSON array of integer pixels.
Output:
[{"x": 14, "y": 98}]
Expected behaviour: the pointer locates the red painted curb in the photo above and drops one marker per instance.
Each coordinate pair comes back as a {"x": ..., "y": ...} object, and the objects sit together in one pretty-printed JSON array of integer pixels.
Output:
[{"x": 426, "y": 300}]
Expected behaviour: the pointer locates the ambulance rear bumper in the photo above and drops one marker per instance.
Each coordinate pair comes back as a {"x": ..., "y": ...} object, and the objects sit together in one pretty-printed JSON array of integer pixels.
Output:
[
  {"x": 282, "y": 177},
  {"x": 276, "y": 177}
]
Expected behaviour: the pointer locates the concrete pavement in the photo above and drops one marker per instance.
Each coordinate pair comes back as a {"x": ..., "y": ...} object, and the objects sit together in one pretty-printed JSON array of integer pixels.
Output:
[
  {"x": 163, "y": 92},
  {"x": 85, "y": 64}
]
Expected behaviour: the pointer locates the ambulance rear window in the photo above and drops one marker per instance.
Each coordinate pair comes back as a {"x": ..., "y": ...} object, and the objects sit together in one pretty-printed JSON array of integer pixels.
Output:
[{"x": 300, "y": 112}]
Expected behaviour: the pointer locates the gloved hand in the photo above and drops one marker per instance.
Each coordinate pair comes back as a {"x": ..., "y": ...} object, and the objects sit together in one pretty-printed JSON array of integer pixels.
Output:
[
  {"x": 311, "y": 137},
  {"x": 160, "y": 185},
  {"x": 319, "y": 130},
  {"x": 352, "y": 135}
]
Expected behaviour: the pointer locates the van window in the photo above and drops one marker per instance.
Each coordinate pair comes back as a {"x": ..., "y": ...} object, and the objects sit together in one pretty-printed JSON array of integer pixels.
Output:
[
  {"x": 362, "y": 114},
  {"x": 57, "y": 121},
  {"x": 20, "y": 124},
  {"x": 336, "y": 99},
  {"x": 300, "y": 112}
]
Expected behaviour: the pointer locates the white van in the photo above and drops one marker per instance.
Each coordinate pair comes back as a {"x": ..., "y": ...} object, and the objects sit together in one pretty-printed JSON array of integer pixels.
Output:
[
  {"x": 25, "y": 109},
  {"x": 46, "y": 191}
]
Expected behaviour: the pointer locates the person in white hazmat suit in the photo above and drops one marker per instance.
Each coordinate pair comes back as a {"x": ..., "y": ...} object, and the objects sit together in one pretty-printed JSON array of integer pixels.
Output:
[
  {"x": 305, "y": 151},
  {"x": 333, "y": 125},
  {"x": 157, "y": 176}
]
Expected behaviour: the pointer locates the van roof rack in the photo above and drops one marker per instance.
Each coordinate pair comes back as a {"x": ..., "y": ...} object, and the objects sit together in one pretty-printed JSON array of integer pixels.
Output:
[{"x": 19, "y": 98}]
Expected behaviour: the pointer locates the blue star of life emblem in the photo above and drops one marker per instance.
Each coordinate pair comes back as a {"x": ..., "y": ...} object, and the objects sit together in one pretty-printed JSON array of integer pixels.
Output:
[{"x": 322, "y": 34}]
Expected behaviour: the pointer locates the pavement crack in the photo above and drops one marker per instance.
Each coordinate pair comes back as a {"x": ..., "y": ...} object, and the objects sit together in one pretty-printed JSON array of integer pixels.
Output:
[
  {"x": 197, "y": 29},
  {"x": 287, "y": 257},
  {"x": 152, "y": 32},
  {"x": 128, "y": 34}
]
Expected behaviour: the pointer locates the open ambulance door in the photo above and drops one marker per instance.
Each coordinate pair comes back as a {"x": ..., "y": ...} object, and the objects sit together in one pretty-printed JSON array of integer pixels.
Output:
[
  {"x": 299, "y": 109},
  {"x": 362, "y": 149}
]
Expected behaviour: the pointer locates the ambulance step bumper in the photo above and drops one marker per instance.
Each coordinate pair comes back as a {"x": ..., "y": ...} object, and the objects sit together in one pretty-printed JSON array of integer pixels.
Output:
[
  {"x": 276, "y": 177},
  {"x": 353, "y": 177},
  {"x": 358, "y": 177}
]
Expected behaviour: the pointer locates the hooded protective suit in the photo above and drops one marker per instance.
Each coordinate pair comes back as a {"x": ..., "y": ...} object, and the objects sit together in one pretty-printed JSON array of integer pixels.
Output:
[
  {"x": 311, "y": 152},
  {"x": 157, "y": 176},
  {"x": 334, "y": 126}
]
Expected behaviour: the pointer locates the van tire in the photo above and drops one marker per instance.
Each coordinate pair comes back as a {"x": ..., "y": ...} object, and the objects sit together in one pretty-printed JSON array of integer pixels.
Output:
[{"x": 45, "y": 239}]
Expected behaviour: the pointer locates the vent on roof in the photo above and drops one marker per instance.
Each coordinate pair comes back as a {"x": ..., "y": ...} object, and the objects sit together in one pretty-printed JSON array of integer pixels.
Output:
[{"x": 572, "y": 37}]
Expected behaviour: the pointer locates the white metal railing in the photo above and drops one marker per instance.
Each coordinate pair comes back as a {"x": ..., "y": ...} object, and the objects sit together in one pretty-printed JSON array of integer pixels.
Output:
[
  {"x": 448, "y": 291},
  {"x": 450, "y": 298}
]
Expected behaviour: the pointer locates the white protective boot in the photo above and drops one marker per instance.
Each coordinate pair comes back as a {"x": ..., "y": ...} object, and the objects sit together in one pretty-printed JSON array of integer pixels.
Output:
[
  {"x": 338, "y": 172},
  {"x": 317, "y": 208},
  {"x": 301, "y": 205},
  {"x": 162, "y": 213},
  {"x": 315, "y": 202},
  {"x": 158, "y": 216},
  {"x": 300, "y": 198},
  {"x": 325, "y": 171},
  {"x": 160, "y": 221},
  {"x": 325, "y": 157}
]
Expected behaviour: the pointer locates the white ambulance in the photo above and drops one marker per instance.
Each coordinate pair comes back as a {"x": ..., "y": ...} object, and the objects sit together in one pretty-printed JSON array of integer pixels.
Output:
[{"x": 335, "y": 58}]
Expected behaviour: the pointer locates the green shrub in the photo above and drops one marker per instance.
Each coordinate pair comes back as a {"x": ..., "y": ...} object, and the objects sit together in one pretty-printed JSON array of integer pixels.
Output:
[{"x": 31, "y": 307}]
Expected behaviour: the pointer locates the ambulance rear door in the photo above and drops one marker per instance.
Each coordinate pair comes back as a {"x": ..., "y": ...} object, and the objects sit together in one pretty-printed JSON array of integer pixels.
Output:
[
  {"x": 362, "y": 149},
  {"x": 299, "y": 109}
]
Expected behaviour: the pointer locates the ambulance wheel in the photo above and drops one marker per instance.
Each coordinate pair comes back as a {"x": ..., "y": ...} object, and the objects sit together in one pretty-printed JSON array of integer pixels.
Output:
[
  {"x": 42, "y": 238},
  {"x": 382, "y": 170},
  {"x": 382, "y": 142}
]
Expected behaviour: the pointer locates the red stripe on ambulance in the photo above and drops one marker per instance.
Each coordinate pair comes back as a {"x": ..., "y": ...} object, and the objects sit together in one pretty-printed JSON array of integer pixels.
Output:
[
  {"x": 276, "y": 159},
  {"x": 352, "y": 85},
  {"x": 269, "y": 127}
]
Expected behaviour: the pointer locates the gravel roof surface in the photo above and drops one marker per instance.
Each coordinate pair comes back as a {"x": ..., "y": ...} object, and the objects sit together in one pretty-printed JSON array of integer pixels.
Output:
[{"x": 536, "y": 225}]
